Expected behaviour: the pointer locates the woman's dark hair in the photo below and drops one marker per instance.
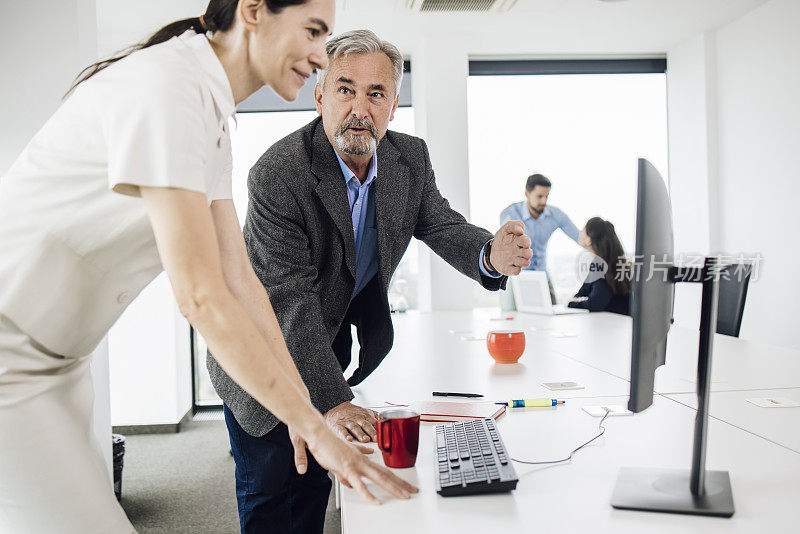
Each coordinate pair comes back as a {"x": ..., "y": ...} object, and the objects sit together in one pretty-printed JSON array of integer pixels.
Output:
[
  {"x": 219, "y": 16},
  {"x": 606, "y": 244}
]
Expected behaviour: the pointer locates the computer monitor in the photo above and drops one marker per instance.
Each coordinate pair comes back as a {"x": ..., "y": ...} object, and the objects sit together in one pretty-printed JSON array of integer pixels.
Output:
[
  {"x": 694, "y": 491},
  {"x": 652, "y": 287}
]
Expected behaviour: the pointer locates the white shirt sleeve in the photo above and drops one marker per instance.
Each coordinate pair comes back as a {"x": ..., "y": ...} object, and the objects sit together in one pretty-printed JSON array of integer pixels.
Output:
[
  {"x": 156, "y": 132},
  {"x": 223, "y": 189}
]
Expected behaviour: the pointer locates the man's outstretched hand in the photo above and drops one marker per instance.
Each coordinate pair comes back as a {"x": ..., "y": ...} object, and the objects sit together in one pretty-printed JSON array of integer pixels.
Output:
[{"x": 511, "y": 249}]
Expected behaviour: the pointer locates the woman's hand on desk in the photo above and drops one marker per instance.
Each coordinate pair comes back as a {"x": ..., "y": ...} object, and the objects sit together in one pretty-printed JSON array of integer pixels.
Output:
[{"x": 348, "y": 464}]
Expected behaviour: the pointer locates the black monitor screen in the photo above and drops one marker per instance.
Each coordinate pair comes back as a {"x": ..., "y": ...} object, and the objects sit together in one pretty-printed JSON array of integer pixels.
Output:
[{"x": 653, "y": 291}]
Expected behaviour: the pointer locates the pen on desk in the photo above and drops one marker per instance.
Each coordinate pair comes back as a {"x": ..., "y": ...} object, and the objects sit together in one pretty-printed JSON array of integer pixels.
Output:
[
  {"x": 531, "y": 403},
  {"x": 451, "y": 394}
]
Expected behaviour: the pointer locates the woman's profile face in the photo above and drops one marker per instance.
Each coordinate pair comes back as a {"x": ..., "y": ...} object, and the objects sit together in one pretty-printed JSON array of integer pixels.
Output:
[
  {"x": 583, "y": 239},
  {"x": 288, "y": 46}
]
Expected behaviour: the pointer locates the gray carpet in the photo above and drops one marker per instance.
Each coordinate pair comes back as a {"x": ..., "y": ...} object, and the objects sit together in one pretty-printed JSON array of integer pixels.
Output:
[{"x": 183, "y": 483}]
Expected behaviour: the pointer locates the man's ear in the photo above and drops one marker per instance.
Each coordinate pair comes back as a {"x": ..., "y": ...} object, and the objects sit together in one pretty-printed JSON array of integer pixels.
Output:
[{"x": 318, "y": 99}]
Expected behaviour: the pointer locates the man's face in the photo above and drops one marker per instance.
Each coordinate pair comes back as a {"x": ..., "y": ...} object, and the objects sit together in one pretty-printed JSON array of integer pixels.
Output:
[
  {"x": 537, "y": 198},
  {"x": 357, "y": 102}
]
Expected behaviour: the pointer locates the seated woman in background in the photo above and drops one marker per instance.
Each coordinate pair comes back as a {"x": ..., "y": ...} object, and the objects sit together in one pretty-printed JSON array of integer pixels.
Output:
[{"x": 610, "y": 289}]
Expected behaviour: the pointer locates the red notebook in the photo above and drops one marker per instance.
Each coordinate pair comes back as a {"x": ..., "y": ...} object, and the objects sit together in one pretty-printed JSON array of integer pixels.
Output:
[{"x": 436, "y": 411}]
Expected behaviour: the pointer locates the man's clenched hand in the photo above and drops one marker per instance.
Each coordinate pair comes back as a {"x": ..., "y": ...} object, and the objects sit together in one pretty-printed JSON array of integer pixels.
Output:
[{"x": 511, "y": 249}]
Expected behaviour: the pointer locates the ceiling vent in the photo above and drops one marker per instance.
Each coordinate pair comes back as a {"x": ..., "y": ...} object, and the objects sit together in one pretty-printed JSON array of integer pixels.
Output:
[{"x": 464, "y": 6}]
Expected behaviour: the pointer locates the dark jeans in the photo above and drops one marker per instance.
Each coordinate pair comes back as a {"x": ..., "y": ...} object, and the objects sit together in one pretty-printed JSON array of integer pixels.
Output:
[{"x": 270, "y": 494}]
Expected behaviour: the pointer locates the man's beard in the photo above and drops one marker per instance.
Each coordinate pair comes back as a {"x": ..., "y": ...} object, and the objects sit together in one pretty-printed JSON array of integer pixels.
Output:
[
  {"x": 356, "y": 145},
  {"x": 536, "y": 210}
]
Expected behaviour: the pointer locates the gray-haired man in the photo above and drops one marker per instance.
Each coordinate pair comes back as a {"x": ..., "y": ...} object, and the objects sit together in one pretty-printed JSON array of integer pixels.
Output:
[{"x": 332, "y": 209}]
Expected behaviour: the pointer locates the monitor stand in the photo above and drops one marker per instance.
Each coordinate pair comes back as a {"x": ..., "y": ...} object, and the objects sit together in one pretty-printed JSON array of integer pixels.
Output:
[{"x": 697, "y": 492}]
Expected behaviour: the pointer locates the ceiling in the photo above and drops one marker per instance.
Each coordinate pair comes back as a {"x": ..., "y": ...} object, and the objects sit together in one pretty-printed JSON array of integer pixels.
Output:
[{"x": 530, "y": 28}]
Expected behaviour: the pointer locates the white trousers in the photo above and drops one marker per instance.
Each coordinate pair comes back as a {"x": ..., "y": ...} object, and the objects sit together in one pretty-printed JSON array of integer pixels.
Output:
[{"x": 52, "y": 475}]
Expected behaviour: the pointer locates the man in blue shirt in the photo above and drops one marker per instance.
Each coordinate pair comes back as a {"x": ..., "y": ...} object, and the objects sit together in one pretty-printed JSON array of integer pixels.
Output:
[{"x": 540, "y": 220}]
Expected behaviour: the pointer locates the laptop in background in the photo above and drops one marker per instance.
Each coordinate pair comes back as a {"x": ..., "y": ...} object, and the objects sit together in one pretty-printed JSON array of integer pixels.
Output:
[{"x": 532, "y": 294}]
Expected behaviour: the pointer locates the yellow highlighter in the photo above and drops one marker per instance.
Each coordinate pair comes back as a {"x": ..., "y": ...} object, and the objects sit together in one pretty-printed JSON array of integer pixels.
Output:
[{"x": 531, "y": 403}]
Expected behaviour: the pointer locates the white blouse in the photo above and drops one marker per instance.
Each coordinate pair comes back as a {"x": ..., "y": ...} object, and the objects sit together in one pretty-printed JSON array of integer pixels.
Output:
[{"x": 76, "y": 245}]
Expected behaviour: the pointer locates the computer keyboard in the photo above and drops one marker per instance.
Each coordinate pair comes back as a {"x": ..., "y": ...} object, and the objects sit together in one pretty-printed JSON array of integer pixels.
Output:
[{"x": 472, "y": 459}]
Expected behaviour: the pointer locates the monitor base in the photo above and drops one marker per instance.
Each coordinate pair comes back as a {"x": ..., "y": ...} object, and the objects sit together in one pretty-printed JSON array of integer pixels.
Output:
[{"x": 667, "y": 490}]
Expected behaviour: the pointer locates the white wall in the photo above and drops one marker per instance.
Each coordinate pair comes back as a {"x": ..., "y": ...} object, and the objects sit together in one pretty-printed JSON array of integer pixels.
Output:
[
  {"x": 44, "y": 45},
  {"x": 734, "y": 120},
  {"x": 758, "y": 101},
  {"x": 439, "y": 95},
  {"x": 691, "y": 105},
  {"x": 150, "y": 363},
  {"x": 121, "y": 24}
]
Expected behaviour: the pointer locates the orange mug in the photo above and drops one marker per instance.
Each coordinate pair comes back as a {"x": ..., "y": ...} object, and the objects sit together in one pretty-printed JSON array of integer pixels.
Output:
[{"x": 505, "y": 346}]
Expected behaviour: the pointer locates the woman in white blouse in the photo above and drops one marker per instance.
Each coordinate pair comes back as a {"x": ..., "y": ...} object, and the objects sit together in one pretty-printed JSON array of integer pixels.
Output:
[{"x": 131, "y": 176}]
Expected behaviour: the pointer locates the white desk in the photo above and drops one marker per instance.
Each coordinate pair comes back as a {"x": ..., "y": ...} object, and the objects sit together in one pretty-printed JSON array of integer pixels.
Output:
[
  {"x": 603, "y": 341},
  {"x": 779, "y": 425},
  {"x": 575, "y": 497},
  {"x": 736, "y": 364},
  {"x": 572, "y": 497},
  {"x": 427, "y": 357}
]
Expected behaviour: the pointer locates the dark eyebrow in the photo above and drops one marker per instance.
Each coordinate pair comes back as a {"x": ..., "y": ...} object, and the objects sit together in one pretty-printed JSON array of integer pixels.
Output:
[
  {"x": 321, "y": 24},
  {"x": 342, "y": 79},
  {"x": 377, "y": 87}
]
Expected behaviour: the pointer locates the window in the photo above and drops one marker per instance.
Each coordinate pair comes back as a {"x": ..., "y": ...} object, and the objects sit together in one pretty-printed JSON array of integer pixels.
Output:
[{"x": 581, "y": 128}]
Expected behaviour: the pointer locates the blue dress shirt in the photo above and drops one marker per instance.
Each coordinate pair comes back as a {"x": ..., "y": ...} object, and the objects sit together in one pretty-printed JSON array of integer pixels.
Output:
[
  {"x": 362, "y": 210},
  {"x": 539, "y": 230}
]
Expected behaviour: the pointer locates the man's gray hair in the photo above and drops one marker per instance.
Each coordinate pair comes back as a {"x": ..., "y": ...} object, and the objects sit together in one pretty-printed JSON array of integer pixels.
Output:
[{"x": 362, "y": 42}]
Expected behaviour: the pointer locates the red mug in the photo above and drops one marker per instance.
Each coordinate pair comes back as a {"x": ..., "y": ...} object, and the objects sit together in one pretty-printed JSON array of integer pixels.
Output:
[
  {"x": 398, "y": 437},
  {"x": 506, "y": 346}
]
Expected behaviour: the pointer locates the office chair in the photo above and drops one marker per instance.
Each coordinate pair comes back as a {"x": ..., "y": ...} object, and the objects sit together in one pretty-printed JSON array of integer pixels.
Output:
[{"x": 733, "y": 283}]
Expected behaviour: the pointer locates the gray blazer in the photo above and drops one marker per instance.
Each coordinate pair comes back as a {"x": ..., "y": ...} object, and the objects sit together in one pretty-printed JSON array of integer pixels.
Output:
[{"x": 299, "y": 237}]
